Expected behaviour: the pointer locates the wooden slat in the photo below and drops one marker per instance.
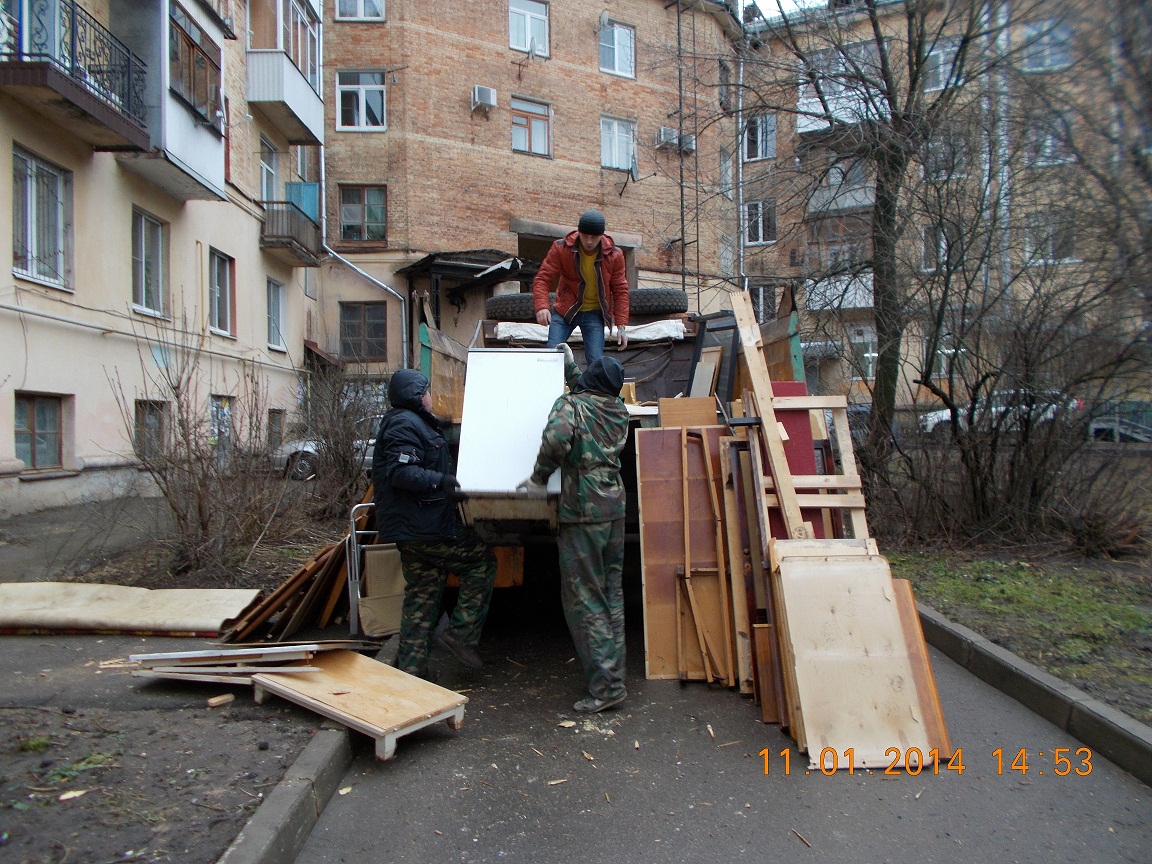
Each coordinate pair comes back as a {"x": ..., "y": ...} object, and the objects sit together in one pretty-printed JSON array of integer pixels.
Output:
[
  {"x": 819, "y": 481},
  {"x": 808, "y": 403},
  {"x": 764, "y": 638},
  {"x": 762, "y": 388},
  {"x": 246, "y": 626},
  {"x": 849, "y": 500},
  {"x": 739, "y": 571},
  {"x": 930, "y": 708}
]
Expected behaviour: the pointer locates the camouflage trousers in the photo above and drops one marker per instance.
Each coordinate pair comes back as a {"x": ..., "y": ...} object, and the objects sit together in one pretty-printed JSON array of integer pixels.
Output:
[
  {"x": 591, "y": 569},
  {"x": 426, "y": 567}
]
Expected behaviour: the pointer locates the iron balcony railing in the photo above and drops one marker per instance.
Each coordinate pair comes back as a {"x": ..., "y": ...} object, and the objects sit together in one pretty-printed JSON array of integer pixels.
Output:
[
  {"x": 285, "y": 224},
  {"x": 64, "y": 34}
]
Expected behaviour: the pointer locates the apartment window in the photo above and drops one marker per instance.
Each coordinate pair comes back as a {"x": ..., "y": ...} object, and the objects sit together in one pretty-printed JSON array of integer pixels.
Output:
[
  {"x": 849, "y": 174},
  {"x": 947, "y": 355},
  {"x": 760, "y": 222},
  {"x": 727, "y": 256},
  {"x": 841, "y": 242},
  {"x": 221, "y": 425},
  {"x": 359, "y": 10},
  {"x": 1050, "y": 239},
  {"x": 528, "y": 26},
  {"x": 41, "y": 218},
  {"x": 945, "y": 158},
  {"x": 275, "y": 427},
  {"x": 618, "y": 49},
  {"x": 1047, "y": 45},
  {"x": 363, "y": 213},
  {"x": 303, "y": 38},
  {"x": 725, "y": 87},
  {"x": 151, "y": 427},
  {"x": 617, "y": 143},
  {"x": 194, "y": 66},
  {"x": 726, "y": 172},
  {"x": 941, "y": 247},
  {"x": 531, "y": 127},
  {"x": 39, "y": 430},
  {"x": 364, "y": 331},
  {"x": 760, "y": 137},
  {"x": 276, "y": 315},
  {"x": 147, "y": 263},
  {"x": 360, "y": 101},
  {"x": 938, "y": 66},
  {"x": 1048, "y": 144},
  {"x": 269, "y": 167},
  {"x": 220, "y": 296},
  {"x": 863, "y": 346}
]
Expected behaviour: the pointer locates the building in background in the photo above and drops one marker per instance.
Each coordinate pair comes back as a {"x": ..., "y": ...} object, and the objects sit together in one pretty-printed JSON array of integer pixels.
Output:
[{"x": 162, "y": 209}]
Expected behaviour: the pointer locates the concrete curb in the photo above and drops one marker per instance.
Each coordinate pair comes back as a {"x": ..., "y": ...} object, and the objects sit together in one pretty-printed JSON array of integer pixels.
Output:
[
  {"x": 278, "y": 830},
  {"x": 1122, "y": 739}
]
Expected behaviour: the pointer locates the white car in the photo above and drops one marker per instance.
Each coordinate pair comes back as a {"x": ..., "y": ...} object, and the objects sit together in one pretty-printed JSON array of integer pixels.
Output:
[
  {"x": 300, "y": 459},
  {"x": 1005, "y": 409}
]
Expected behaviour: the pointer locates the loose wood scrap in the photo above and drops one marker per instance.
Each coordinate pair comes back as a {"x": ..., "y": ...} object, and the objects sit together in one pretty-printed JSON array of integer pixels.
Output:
[
  {"x": 739, "y": 571},
  {"x": 248, "y": 624},
  {"x": 222, "y": 665}
]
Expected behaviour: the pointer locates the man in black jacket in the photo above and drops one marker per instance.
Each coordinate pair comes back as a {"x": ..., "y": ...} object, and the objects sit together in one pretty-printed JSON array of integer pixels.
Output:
[{"x": 416, "y": 497}]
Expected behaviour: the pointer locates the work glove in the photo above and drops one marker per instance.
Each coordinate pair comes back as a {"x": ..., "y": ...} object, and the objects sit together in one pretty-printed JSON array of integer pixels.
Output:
[
  {"x": 567, "y": 351},
  {"x": 529, "y": 486},
  {"x": 450, "y": 486}
]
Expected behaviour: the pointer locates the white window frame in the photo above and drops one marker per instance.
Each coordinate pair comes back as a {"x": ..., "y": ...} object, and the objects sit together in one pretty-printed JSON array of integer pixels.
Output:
[
  {"x": 727, "y": 188},
  {"x": 360, "y": 14},
  {"x": 756, "y": 229},
  {"x": 1045, "y": 147},
  {"x": 762, "y": 144},
  {"x": 269, "y": 169},
  {"x": 620, "y": 39},
  {"x": 528, "y": 24},
  {"x": 46, "y": 259},
  {"x": 276, "y": 315},
  {"x": 148, "y": 251},
  {"x": 1047, "y": 45},
  {"x": 948, "y": 152},
  {"x": 1047, "y": 226},
  {"x": 617, "y": 143},
  {"x": 220, "y": 278},
  {"x": 303, "y": 34},
  {"x": 937, "y": 70},
  {"x": 526, "y": 115},
  {"x": 727, "y": 256},
  {"x": 361, "y": 92},
  {"x": 864, "y": 354}
]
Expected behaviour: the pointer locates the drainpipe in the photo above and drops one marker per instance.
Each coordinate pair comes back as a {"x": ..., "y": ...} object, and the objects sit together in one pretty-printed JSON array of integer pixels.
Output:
[{"x": 324, "y": 235}]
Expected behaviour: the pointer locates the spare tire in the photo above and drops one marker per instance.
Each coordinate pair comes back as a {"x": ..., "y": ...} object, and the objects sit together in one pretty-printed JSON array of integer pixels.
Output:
[
  {"x": 510, "y": 307},
  {"x": 658, "y": 301}
]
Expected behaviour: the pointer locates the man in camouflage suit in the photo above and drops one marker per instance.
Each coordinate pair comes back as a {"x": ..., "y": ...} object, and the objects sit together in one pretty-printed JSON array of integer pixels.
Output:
[
  {"x": 584, "y": 436},
  {"x": 416, "y": 496}
]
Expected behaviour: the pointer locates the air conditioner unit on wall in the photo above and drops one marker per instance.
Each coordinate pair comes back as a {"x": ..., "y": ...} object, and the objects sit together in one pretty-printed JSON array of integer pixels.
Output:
[
  {"x": 483, "y": 97},
  {"x": 688, "y": 144},
  {"x": 666, "y": 137}
]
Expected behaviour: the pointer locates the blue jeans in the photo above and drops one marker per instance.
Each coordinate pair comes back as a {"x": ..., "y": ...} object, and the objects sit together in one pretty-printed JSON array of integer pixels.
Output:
[{"x": 591, "y": 326}]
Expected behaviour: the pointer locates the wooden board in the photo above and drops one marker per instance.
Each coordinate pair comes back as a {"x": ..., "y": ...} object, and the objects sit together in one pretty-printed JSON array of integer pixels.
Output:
[
  {"x": 930, "y": 708},
  {"x": 739, "y": 571},
  {"x": 854, "y": 674},
  {"x": 213, "y": 656},
  {"x": 368, "y": 696},
  {"x": 659, "y": 458},
  {"x": 699, "y": 411},
  {"x": 443, "y": 361}
]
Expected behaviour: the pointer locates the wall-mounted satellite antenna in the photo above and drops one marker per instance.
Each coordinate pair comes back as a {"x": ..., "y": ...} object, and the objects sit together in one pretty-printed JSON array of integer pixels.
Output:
[
  {"x": 602, "y": 23},
  {"x": 634, "y": 171},
  {"x": 534, "y": 53}
]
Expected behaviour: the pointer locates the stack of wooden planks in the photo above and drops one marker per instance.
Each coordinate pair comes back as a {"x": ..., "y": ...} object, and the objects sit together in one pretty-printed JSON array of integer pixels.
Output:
[
  {"x": 312, "y": 596},
  {"x": 758, "y": 571},
  {"x": 232, "y": 665}
]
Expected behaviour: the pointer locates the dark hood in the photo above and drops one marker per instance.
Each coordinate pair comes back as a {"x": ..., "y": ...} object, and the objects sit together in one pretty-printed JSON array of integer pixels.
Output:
[
  {"x": 406, "y": 389},
  {"x": 604, "y": 376}
]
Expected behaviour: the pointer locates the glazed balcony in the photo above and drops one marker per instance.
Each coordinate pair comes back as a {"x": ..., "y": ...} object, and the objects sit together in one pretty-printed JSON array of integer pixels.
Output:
[{"x": 63, "y": 64}]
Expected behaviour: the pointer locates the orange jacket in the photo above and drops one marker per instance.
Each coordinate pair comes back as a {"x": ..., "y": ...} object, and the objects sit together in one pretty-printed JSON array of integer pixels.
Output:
[{"x": 561, "y": 272}]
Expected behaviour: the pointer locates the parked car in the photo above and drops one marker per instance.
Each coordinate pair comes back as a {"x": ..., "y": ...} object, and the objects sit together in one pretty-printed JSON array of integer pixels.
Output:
[
  {"x": 300, "y": 459},
  {"x": 1005, "y": 409}
]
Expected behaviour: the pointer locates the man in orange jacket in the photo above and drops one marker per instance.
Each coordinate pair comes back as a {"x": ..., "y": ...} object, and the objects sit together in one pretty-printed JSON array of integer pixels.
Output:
[{"x": 586, "y": 269}]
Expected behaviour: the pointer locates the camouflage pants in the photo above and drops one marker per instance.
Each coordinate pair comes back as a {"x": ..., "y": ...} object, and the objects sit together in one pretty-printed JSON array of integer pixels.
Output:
[
  {"x": 426, "y": 567},
  {"x": 591, "y": 568}
]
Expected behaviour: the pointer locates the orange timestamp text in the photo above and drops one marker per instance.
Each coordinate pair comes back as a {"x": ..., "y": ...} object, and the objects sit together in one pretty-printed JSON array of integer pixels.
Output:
[{"x": 913, "y": 761}]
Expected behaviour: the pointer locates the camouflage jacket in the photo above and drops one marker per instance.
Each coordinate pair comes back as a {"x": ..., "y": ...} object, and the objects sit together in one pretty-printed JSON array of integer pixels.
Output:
[{"x": 583, "y": 437}]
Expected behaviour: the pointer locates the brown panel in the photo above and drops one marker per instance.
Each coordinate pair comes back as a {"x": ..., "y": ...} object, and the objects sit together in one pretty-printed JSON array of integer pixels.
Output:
[
  {"x": 697, "y": 411},
  {"x": 930, "y": 708}
]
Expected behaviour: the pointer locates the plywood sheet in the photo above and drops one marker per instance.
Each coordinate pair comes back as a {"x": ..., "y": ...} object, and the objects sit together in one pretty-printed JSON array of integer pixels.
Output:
[
  {"x": 366, "y": 695},
  {"x": 854, "y": 674},
  {"x": 930, "y": 707},
  {"x": 507, "y": 398},
  {"x": 697, "y": 411},
  {"x": 47, "y": 606}
]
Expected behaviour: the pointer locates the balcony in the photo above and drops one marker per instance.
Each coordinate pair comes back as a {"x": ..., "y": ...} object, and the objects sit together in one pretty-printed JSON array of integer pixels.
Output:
[
  {"x": 285, "y": 97},
  {"x": 836, "y": 293},
  {"x": 834, "y": 199},
  {"x": 289, "y": 235},
  {"x": 62, "y": 63}
]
